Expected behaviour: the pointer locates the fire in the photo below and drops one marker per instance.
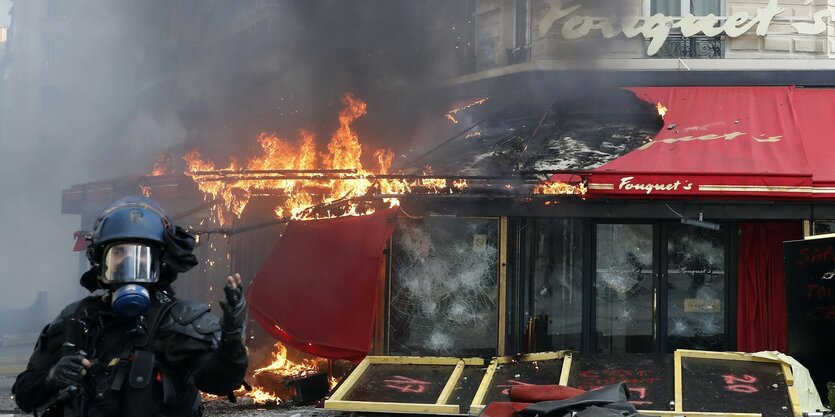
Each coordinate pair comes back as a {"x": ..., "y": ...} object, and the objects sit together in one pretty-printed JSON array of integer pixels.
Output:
[
  {"x": 162, "y": 165},
  {"x": 305, "y": 176},
  {"x": 270, "y": 386},
  {"x": 451, "y": 114},
  {"x": 270, "y": 380},
  {"x": 460, "y": 184},
  {"x": 559, "y": 187},
  {"x": 662, "y": 110}
]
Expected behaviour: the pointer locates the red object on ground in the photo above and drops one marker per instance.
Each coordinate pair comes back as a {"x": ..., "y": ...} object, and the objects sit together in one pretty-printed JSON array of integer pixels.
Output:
[
  {"x": 318, "y": 289},
  {"x": 503, "y": 409},
  {"x": 537, "y": 393},
  {"x": 729, "y": 142}
]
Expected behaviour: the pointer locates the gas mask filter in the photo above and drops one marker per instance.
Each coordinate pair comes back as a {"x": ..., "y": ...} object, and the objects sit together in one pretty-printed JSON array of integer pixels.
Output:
[{"x": 130, "y": 301}]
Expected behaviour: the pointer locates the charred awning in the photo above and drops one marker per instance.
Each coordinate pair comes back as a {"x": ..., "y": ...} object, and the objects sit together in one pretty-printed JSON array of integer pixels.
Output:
[
  {"x": 318, "y": 289},
  {"x": 729, "y": 142}
]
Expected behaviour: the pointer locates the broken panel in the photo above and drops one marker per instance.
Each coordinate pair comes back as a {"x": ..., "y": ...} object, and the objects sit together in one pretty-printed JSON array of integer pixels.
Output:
[{"x": 444, "y": 287}]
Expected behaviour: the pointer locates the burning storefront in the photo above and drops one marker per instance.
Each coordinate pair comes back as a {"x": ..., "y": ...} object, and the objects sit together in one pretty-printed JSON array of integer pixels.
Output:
[{"x": 564, "y": 209}]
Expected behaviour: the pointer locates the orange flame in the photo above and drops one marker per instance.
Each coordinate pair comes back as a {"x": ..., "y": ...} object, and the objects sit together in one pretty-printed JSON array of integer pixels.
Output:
[
  {"x": 662, "y": 110},
  {"x": 279, "y": 369},
  {"x": 162, "y": 165},
  {"x": 451, "y": 114},
  {"x": 559, "y": 187},
  {"x": 344, "y": 153}
]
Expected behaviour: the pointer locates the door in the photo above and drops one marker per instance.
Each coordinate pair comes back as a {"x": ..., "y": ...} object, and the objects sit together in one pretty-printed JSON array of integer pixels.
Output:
[{"x": 658, "y": 286}]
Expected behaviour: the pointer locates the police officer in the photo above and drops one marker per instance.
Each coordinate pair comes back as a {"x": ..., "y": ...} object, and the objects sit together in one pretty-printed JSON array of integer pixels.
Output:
[{"x": 131, "y": 348}]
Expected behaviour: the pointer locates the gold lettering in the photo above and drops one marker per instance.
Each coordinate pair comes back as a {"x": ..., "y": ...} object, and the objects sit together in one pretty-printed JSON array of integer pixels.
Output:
[
  {"x": 630, "y": 26},
  {"x": 734, "y": 27},
  {"x": 656, "y": 28},
  {"x": 709, "y": 136},
  {"x": 813, "y": 28},
  {"x": 576, "y": 27},
  {"x": 766, "y": 15},
  {"x": 627, "y": 184},
  {"x": 769, "y": 139},
  {"x": 691, "y": 26},
  {"x": 607, "y": 27},
  {"x": 556, "y": 12}
]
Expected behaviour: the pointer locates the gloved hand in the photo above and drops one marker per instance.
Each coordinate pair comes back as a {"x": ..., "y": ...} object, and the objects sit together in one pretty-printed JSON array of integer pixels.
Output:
[
  {"x": 68, "y": 371},
  {"x": 234, "y": 308}
]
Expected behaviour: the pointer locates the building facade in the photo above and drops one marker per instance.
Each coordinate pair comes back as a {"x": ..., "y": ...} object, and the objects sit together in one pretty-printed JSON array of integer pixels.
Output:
[
  {"x": 570, "y": 90},
  {"x": 617, "y": 273}
]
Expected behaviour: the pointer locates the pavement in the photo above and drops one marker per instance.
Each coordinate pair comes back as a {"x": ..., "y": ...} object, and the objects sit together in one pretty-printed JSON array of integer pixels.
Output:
[{"x": 10, "y": 366}]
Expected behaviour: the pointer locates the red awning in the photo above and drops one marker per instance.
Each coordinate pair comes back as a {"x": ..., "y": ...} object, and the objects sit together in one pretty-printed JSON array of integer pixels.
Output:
[
  {"x": 318, "y": 289},
  {"x": 736, "y": 142}
]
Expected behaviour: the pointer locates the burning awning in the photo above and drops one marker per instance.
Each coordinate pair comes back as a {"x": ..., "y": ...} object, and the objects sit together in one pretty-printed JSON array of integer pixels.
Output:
[
  {"x": 317, "y": 290},
  {"x": 733, "y": 142}
]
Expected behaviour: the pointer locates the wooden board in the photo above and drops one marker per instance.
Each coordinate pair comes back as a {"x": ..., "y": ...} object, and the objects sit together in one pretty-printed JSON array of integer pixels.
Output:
[
  {"x": 649, "y": 377},
  {"x": 416, "y": 385},
  {"x": 509, "y": 371},
  {"x": 810, "y": 305},
  {"x": 733, "y": 383}
]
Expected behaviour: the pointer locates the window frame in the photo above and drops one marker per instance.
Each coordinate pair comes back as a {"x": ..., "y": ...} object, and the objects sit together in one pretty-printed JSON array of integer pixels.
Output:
[{"x": 685, "y": 5}]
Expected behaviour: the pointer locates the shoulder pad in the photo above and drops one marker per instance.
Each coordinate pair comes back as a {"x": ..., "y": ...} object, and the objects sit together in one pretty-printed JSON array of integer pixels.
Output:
[
  {"x": 69, "y": 310},
  {"x": 57, "y": 325},
  {"x": 50, "y": 336},
  {"x": 193, "y": 319}
]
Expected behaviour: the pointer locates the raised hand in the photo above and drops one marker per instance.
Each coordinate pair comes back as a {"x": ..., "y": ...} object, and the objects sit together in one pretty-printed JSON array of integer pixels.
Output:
[{"x": 234, "y": 307}]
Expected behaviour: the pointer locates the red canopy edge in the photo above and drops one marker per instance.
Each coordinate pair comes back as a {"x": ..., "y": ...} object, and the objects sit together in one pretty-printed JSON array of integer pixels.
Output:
[
  {"x": 729, "y": 142},
  {"x": 317, "y": 291}
]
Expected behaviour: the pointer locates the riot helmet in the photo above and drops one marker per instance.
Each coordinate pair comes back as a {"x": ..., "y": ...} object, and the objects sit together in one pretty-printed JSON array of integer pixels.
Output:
[{"x": 126, "y": 249}]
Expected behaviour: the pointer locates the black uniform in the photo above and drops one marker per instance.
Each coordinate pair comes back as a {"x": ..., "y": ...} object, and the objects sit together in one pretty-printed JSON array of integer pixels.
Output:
[{"x": 153, "y": 365}]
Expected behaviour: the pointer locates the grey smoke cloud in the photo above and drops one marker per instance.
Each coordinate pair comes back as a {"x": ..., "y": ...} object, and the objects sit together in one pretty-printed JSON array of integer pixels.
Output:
[{"x": 119, "y": 81}]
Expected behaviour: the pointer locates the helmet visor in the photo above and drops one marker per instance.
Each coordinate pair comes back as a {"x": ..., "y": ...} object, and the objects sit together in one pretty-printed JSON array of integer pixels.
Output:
[{"x": 129, "y": 262}]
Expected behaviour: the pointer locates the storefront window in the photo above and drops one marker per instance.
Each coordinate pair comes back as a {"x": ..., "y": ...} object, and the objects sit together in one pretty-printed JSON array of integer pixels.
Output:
[
  {"x": 444, "y": 287},
  {"x": 694, "y": 7},
  {"x": 557, "y": 289},
  {"x": 695, "y": 288},
  {"x": 624, "y": 296}
]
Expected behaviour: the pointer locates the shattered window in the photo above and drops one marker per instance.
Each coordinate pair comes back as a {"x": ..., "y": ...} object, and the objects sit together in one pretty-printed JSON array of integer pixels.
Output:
[
  {"x": 444, "y": 287},
  {"x": 696, "y": 279},
  {"x": 557, "y": 292},
  {"x": 624, "y": 288}
]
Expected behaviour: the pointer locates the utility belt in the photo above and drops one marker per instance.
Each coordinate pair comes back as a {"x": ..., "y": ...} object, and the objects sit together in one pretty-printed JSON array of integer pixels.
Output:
[{"x": 140, "y": 386}]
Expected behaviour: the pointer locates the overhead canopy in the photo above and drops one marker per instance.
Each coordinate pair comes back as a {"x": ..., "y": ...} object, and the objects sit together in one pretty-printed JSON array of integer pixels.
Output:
[
  {"x": 318, "y": 289},
  {"x": 737, "y": 142}
]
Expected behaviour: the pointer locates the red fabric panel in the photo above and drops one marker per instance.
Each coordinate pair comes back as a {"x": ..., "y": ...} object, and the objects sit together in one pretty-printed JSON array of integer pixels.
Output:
[
  {"x": 566, "y": 178},
  {"x": 80, "y": 241},
  {"x": 814, "y": 110},
  {"x": 761, "y": 295},
  {"x": 716, "y": 141},
  {"x": 318, "y": 289},
  {"x": 537, "y": 393},
  {"x": 503, "y": 409}
]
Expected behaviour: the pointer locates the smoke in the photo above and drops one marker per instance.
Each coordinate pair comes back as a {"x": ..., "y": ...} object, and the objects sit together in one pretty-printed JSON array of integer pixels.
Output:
[{"x": 98, "y": 88}]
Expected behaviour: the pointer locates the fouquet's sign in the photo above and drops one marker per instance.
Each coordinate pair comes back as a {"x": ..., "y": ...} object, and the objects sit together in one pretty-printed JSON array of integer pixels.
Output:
[{"x": 656, "y": 28}]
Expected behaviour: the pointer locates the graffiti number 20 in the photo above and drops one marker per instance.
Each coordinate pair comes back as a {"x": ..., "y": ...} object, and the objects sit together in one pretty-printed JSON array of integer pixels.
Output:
[{"x": 740, "y": 384}]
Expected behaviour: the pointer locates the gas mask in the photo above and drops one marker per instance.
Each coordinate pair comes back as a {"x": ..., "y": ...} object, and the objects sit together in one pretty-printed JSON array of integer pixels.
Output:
[{"x": 128, "y": 268}]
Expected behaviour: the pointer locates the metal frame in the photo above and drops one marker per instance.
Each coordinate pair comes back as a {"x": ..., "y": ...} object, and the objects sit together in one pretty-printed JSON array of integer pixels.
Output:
[
  {"x": 730, "y": 356},
  {"x": 336, "y": 401}
]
